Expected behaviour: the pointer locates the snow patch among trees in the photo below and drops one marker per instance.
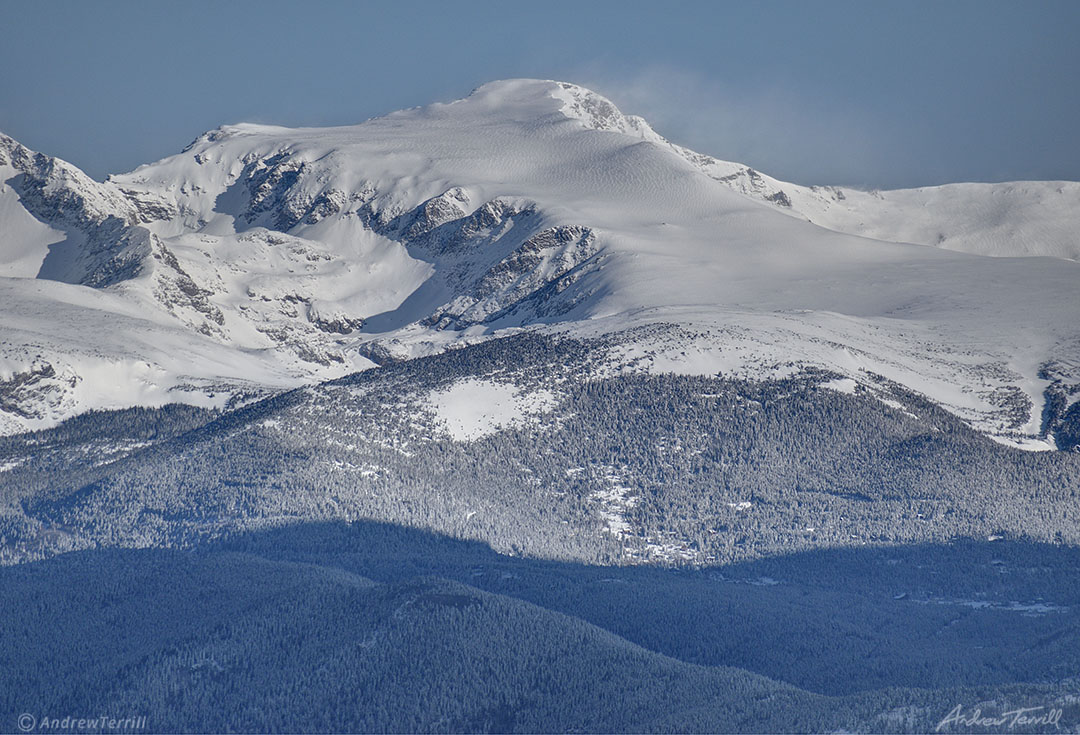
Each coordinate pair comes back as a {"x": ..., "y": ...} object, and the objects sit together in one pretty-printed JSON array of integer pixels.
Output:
[{"x": 472, "y": 409}]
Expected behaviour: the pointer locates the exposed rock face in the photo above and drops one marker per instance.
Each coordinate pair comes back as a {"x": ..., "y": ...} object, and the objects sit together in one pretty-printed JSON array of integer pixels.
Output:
[
  {"x": 111, "y": 246},
  {"x": 178, "y": 293},
  {"x": 269, "y": 184},
  {"x": 284, "y": 191},
  {"x": 598, "y": 113},
  {"x": 426, "y": 218},
  {"x": 530, "y": 275},
  {"x": 58, "y": 192},
  {"x": 780, "y": 198},
  {"x": 33, "y": 393},
  {"x": 333, "y": 322},
  {"x": 150, "y": 207},
  {"x": 1061, "y": 406},
  {"x": 440, "y": 228}
]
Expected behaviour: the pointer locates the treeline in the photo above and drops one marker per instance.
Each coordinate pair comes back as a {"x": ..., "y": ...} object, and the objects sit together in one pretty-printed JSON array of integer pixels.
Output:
[{"x": 625, "y": 469}]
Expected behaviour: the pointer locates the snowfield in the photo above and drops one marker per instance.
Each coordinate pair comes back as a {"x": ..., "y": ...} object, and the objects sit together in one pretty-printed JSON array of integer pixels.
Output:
[
  {"x": 264, "y": 257},
  {"x": 471, "y": 409}
]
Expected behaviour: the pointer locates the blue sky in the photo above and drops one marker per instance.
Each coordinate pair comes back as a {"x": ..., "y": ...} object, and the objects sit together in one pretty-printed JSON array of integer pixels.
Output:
[{"x": 874, "y": 94}]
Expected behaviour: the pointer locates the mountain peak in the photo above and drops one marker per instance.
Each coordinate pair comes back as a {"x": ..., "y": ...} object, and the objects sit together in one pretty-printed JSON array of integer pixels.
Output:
[
  {"x": 537, "y": 99},
  {"x": 599, "y": 113}
]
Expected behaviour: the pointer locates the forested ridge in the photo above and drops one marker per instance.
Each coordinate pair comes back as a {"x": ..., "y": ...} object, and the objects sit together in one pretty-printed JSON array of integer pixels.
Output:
[
  {"x": 621, "y": 468},
  {"x": 222, "y": 639}
]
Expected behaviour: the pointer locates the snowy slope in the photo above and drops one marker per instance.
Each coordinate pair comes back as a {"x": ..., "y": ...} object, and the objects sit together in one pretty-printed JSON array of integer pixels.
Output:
[
  {"x": 1011, "y": 219},
  {"x": 68, "y": 349},
  {"x": 535, "y": 203},
  {"x": 25, "y": 240}
]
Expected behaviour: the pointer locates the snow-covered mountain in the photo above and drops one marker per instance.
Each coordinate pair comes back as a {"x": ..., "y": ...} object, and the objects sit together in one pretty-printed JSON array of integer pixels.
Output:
[{"x": 263, "y": 257}]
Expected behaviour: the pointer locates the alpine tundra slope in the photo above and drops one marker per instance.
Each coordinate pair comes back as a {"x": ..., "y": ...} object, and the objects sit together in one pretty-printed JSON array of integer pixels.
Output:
[{"x": 262, "y": 257}]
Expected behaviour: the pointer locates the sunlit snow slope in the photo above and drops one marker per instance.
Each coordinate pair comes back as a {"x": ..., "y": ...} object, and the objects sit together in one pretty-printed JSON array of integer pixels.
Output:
[{"x": 299, "y": 254}]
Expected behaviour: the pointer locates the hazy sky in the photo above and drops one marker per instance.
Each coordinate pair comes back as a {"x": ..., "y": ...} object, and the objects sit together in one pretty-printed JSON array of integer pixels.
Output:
[{"x": 871, "y": 93}]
